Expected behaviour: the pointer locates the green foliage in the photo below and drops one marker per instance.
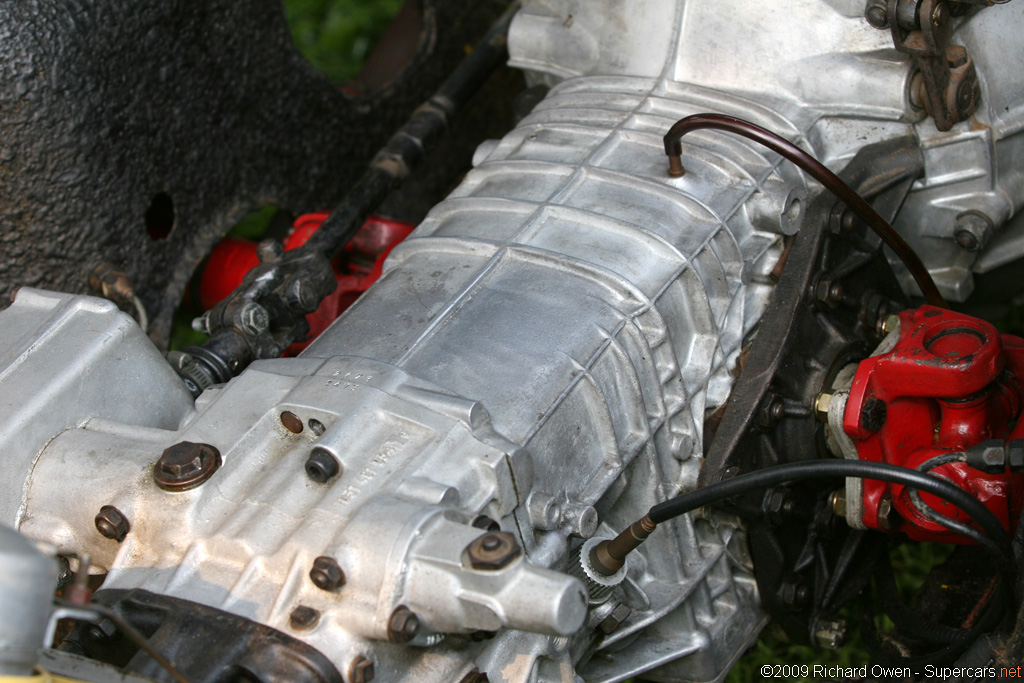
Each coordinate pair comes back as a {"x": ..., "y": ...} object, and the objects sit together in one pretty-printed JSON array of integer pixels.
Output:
[
  {"x": 911, "y": 563},
  {"x": 336, "y": 35}
]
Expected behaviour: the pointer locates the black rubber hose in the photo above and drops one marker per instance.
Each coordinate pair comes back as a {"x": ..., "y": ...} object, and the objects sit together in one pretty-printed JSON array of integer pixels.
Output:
[
  {"x": 828, "y": 469},
  {"x": 779, "y": 145},
  {"x": 934, "y": 515}
]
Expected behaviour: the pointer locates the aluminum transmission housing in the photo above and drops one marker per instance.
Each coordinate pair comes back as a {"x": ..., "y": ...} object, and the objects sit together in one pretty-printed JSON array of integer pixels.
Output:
[{"x": 541, "y": 353}]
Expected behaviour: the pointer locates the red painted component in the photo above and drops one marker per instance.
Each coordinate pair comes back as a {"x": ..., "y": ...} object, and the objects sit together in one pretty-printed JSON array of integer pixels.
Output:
[
  {"x": 357, "y": 267},
  {"x": 951, "y": 382}
]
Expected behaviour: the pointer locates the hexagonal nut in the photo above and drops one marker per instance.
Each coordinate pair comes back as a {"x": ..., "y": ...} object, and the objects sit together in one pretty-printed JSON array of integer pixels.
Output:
[
  {"x": 112, "y": 524},
  {"x": 253, "y": 319},
  {"x": 492, "y": 551},
  {"x": 821, "y": 405},
  {"x": 988, "y": 456},
  {"x": 887, "y": 515},
  {"x": 326, "y": 574},
  {"x": 830, "y": 633},
  {"x": 611, "y": 623},
  {"x": 837, "y": 501},
  {"x": 403, "y": 625}
]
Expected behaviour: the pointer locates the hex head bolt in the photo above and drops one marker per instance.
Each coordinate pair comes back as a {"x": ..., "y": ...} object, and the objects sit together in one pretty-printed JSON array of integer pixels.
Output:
[
  {"x": 112, "y": 524},
  {"x": 403, "y": 625},
  {"x": 326, "y": 574},
  {"x": 185, "y": 466},
  {"x": 303, "y": 618}
]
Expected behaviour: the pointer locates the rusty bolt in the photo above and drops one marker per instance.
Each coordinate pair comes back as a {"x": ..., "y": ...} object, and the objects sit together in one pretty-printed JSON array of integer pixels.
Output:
[
  {"x": 973, "y": 230},
  {"x": 966, "y": 94},
  {"x": 326, "y": 574},
  {"x": 773, "y": 409},
  {"x": 612, "y": 622},
  {"x": 321, "y": 466},
  {"x": 403, "y": 625},
  {"x": 112, "y": 524},
  {"x": 876, "y": 15},
  {"x": 185, "y": 466},
  {"x": 361, "y": 670},
  {"x": 492, "y": 551},
  {"x": 842, "y": 219},
  {"x": 303, "y": 618},
  {"x": 291, "y": 422}
]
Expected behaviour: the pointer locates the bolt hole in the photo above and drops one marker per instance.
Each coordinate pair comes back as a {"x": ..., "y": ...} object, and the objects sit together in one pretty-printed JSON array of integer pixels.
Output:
[
  {"x": 316, "y": 426},
  {"x": 791, "y": 214},
  {"x": 160, "y": 217}
]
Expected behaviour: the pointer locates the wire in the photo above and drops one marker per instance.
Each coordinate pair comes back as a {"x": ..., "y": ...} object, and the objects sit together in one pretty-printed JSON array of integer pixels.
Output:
[
  {"x": 94, "y": 612},
  {"x": 822, "y": 469},
  {"x": 832, "y": 182},
  {"x": 933, "y": 515},
  {"x": 997, "y": 541}
]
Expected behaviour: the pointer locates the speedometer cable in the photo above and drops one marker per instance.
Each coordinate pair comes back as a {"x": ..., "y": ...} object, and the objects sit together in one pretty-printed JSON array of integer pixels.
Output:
[{"x": 814, "y": 168}]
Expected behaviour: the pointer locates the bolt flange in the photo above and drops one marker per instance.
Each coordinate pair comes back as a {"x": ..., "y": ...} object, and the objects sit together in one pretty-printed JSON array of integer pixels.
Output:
[
  {"x": 403, "y": 625},
  {"x": 185, "y": 466},
  {"x": 303, "y": 618},
  {"x": 492, "y": 551},
  {"x": 112, "y": 524},
  {"x": 326, "y": 574}
]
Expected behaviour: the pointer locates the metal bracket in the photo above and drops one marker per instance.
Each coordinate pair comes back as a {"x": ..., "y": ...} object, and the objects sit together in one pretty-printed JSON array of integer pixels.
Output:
[{"x": 947, "y": 84}]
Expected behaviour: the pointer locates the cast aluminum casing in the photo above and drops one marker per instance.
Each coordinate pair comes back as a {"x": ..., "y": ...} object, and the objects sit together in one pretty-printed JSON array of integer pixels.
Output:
[{"x": 541, "y": 351}]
